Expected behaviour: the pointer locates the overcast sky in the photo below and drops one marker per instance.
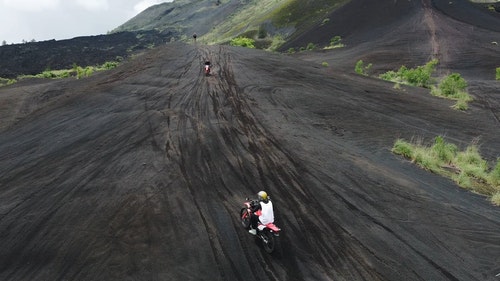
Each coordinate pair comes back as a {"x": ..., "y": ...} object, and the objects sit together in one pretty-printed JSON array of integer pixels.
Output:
[{"x": 64, "y": 19}]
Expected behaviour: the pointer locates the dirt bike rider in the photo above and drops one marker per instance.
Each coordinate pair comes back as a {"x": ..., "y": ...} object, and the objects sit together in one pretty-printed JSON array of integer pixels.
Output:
[
  {"x": 207, "y": 67},
  {"x": 266, "y": 215}
]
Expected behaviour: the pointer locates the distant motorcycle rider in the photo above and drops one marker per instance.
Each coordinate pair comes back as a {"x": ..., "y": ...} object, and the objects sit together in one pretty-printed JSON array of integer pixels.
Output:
[
  {"x": 207, "y": 68},
  {"x": 266, "y": 214}
]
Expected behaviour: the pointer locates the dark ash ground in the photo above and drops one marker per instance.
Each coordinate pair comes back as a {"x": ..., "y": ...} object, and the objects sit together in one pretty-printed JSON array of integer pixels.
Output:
[{"x": 138, "y": 173}]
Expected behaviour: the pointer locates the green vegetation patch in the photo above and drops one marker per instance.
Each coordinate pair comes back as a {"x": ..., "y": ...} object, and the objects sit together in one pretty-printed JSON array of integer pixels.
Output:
[
  {"x": 247, "y": 19},
  {"x": 77, "y": 71},
  {"x": 335, "y": 42},
  {"x": 467, "y": 168},
  {"x": 497, "y": 73},
  {"x": 278, "y": 16},
  {"x": 421, "y": 76},
  {"x": 361, "y": 68},
  {"x": 6, "y": 81},
  {"x": 243, "y": 42},
  {"x": 304, "y": 11},
  {"x": 453, "y": 87}
]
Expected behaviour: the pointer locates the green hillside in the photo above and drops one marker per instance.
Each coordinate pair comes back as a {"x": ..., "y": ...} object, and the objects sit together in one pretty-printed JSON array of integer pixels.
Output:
[{"x": 218, "y": 22}]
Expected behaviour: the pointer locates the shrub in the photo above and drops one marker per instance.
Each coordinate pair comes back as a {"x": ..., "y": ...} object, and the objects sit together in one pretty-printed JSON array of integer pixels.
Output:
[
  {"x": 403, "y": 148},
  {"x": 335, "y": 42},
  {"x": 243, "y": 42},
  {"x": 494, "y": 176},
  {"x": 467, "y": 168},
  {"x": 47, "y": 74},
  {"x": 420, "y": 76},
  {"x": 310, "y": 46},
  {"x": 495, "y": 199},
  {"x": 278, "y": 40},
  {"x": 360, "y": 68},
  {"x": 84, "y": 72},
  {"x": 472, "y": 164},
  {"x": 498, "y": 73},
  {"x": 325, "y": 64},
  {"x": 444, "y": 151},
  {"x": 390, "y": 76},
  {"x": 80, "y": 72},
  {"x": 291, "y": 50},
  {"x": 452, "y": 85},
  {"x": 6, "y": 82},
  {"x": 471, "y": 156},
  {"x": 109, "y": 65},
  {"x": 426, "y": 159},
  {"x": 461, "y": 105},
  {"x": 89, "y": 71}
]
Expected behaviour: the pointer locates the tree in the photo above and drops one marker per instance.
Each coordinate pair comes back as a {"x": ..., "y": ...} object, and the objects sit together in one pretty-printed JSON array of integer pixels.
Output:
[{"x": 4, "y": 43}]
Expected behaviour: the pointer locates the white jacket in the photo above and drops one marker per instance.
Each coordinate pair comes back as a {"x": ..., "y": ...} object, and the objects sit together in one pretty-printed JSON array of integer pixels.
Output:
[{"x": 267, "y": 215}]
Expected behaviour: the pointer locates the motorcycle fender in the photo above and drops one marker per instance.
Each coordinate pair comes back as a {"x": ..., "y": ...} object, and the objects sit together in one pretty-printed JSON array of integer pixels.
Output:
[{"x": 273, "y": 227}]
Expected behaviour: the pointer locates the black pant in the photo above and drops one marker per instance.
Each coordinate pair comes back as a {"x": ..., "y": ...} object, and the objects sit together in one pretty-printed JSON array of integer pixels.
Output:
[{"x": 254, "y": 221}]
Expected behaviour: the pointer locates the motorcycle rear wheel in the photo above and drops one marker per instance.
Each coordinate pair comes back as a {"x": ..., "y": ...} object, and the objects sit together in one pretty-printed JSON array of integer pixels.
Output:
[{"x": 270, "y": 244}]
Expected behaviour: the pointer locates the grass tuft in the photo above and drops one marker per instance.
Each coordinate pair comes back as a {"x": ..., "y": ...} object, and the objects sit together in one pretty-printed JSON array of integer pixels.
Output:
[
  {"x": 495, "y": 199},
  {"x": 403, "y": 148},
  {"x": 467, "y": 168}
]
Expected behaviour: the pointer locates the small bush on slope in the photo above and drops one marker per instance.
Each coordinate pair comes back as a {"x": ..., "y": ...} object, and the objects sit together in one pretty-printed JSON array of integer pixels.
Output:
[
  {"x": 419, "y": 76},
  {"x": 360, "y": 68},
  {"x": 467, "y": 168},
  {"x": 453, "y": 87}
]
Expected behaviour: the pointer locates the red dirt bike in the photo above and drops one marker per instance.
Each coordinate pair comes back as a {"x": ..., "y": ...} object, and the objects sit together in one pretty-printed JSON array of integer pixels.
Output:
[
  {"x": 268, "y": 233},
  {"x": 207, "y": 68}
]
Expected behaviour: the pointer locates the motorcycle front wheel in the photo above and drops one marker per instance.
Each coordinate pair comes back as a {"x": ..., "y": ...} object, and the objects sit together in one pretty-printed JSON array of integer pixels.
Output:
[{"x": 245, "y": 218}]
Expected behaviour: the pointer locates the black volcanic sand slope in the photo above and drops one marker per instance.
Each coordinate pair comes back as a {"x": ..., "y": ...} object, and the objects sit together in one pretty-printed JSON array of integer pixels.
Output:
[
  {"x": 36, "y": 57},
  {"x": 139, "y": 174},
  {"x": 389, "y": 34}
]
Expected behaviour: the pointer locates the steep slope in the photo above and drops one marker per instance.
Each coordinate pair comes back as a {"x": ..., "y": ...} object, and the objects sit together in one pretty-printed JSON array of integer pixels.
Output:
[
  {"x": 139, "y": 173},
  {"x": 220, "y": 21},
  {"x": 396, "y": 33},
  {"x": 361, "y": 21},
  {"x": 182, "y": 18}
]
